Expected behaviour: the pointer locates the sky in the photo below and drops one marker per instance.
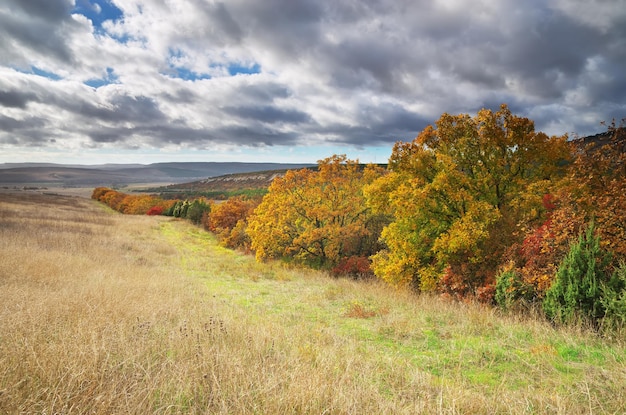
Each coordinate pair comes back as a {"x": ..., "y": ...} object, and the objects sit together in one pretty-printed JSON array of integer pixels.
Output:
[{"x": 143, "y": 81}]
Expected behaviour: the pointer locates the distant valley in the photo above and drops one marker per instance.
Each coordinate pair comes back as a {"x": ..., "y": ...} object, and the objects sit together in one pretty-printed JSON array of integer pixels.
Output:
[{"x": 120, "y": 175}]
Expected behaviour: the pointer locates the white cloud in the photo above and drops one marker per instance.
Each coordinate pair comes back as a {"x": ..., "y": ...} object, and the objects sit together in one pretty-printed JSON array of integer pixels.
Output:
[{"x": 331, "y": 73}]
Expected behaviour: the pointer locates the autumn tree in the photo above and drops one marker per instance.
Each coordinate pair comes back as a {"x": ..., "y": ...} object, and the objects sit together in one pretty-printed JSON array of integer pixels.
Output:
[
  {"x": 229, "y": 221},
  {"x": 593, "y": 190},
  {"x": 99, "y": 192},
  {"x": 457, "y": 194},
  {"x": 536, "y": 258},
  {"x": 317, "y": 216},
  {"x": 598, "y": 183}
]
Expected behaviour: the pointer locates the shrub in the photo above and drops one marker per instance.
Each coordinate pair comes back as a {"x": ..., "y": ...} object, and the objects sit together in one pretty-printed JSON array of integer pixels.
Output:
[
  {"x": 224, "y": 216},
  {"x": 614, "y": 299},
  {"x": 155, "y": 211},
  {"x": 196, "y": 211},
  {"x": 511, "y": 289},
  {"x": 576, "y": 293},
  {"x": 357, "y": 267},
  {"x": 236, "y": 238},
  {"x": 229, "y": 221}
]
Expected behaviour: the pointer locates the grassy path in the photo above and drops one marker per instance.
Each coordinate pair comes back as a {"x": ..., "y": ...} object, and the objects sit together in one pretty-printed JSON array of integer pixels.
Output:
[{"x": 437, "y": 353}]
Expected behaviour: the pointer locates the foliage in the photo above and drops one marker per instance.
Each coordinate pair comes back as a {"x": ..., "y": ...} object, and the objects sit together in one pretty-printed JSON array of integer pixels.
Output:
[
  {"x": 537, "y": 257},
  {"x": 210, "y": 194},
  {"x": 318, "y": 217},
  {"x": 131, "y": 204},
  {"x": 598, "y": 181},
  {"x": 457, "y": 194},
  {"x": 155, "y": 211},
  {"x": 614, "y": 299},
  {"x": 577, "y": 290},
  {"x": 511, "y": 289},
  {"x": 482, "y": 207},
  {"x": 112, "y": 315},
  {"x": 229, "y": 221},
  {"x": 356, "y": 267},
  {"x": 594, "y": 189},
  {"x": 179, "y": 209},
  {"x": 196, "y": 211}
]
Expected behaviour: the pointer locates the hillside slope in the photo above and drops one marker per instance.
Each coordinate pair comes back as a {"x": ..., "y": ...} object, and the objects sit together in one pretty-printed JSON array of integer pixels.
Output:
[{"x": 121, "y": 174}]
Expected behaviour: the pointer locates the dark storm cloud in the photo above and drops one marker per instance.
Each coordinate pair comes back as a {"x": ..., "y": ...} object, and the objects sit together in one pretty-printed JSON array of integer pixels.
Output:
[
  {"x": 48, "y": 10},
  {"x": 269, "y": 114},
  {"x": 28, "y": 128},
  {"x": 358, "y": 62},
  {"x": 261, "y": 136},
  {"x": 552, "y": 56},
  {"x": 38, "y": 25},
  {"x": 181, "y": 96},
  {"x": 139, "y": 110},
  {"x": 160, "y": 135},
  {"x": 222, "y": 18},
  {"x": 288, "y": 28},
  {"x": 353, "y": 72},
  {"x": 16, "y": 99},
  {"x": 266, "y": 91},
  {"x": 108, "y": 135},
  {"x": 398, "y": 120},
  {"x": 379, "y": 126},
  {"x": 9, "y": 124}
]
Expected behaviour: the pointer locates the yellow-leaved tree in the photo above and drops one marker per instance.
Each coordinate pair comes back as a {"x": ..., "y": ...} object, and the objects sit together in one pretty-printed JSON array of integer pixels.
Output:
[
  {"x": 317, "y": 216},
  {"x": 457, "y": 193}
]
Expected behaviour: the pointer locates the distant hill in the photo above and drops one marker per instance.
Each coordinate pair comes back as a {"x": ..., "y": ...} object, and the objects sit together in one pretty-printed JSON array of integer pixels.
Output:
[
  {"x": 225, "y": 185},
  {"x": 124, "y": 174},
  {"x": 618, "y": 136}
]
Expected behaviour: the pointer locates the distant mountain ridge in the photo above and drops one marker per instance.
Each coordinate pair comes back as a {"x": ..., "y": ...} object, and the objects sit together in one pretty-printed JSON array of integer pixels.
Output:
[
  {"x": 187, "y": 175},
  {"x": 49, "y": 174}
]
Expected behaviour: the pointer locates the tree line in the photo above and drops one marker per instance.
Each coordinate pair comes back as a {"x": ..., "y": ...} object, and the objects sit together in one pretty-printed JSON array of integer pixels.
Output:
[{"x": 480, "y": 207}]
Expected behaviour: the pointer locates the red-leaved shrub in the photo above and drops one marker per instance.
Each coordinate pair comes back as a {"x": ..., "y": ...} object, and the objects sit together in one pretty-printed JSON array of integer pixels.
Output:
[
  {"x": 155, "y": 211},
  {"x": 357, "y": 267}
]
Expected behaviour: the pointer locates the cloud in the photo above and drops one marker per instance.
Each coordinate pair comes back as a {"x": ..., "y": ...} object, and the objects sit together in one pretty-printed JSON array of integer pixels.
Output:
[
  {"x": 16, "y": 99},
  {"x": 269, "y": 114},
  {"x": 202, "y": 74},
  {"x": 36, "y": 27}
]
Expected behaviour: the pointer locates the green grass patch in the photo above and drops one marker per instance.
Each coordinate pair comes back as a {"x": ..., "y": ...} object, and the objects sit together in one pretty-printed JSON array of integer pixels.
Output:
[{"x": 513, "y": 365}]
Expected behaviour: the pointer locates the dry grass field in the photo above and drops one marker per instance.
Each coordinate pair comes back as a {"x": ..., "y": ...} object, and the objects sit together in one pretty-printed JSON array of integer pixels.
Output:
[{"x": 102, "y": 313}]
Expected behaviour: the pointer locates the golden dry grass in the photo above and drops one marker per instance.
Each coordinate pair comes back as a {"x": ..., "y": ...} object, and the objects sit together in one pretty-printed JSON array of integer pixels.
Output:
[{"x": 109, "y": 314}]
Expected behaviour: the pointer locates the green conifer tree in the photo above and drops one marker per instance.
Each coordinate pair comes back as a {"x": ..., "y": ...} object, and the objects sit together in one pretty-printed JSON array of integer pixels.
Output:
[{"x": 577, "y": 290}]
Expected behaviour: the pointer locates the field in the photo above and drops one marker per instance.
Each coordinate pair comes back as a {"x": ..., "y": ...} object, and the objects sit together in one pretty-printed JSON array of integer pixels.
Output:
[{"x": 102, "y": 313}]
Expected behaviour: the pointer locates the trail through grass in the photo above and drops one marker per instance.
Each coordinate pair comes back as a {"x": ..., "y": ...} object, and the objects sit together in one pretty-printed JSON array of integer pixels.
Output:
[{"x": 452, "y": 346}]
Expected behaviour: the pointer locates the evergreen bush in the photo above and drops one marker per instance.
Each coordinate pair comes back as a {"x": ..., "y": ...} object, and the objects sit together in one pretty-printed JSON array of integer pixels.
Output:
[
  {"x": 511, "y": 289},
  {"x": 195, "y": 211},
  {"x": 577, "y": 291},
  {"x": 614, "y": 299}
]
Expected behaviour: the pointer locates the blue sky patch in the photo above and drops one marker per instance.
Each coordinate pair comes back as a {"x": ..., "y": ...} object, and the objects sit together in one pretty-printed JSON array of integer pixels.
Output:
[
  {"x": 46, "y": 74},
  {"x": 177, "y": 69},
  {"x": 236, "y": 69},
  {"x": 110, "y": 78},
  {"x": 186, "y": 74},
  {"x": 98, "y": 11}
]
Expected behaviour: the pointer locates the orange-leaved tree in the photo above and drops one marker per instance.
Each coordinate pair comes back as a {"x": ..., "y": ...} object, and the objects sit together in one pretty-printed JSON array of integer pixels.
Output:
[
  {"x": 457, "y": 194},
  {"x": 229, "y": 221},
  {"x": 317, "y": 216},
  {"x": 599, "y": 175},
  {"x": 594, "y": 190}
]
